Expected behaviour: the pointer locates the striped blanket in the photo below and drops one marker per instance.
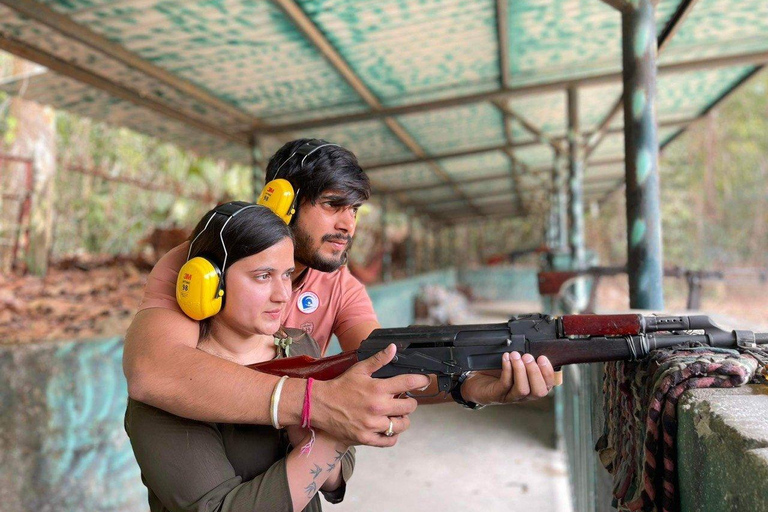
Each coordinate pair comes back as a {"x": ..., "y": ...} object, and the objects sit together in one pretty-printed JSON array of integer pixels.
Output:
[{"x": 640, "y": 403}]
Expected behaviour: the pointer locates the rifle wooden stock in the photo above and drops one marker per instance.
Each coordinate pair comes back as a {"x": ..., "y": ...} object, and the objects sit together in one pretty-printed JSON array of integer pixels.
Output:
[{"x": 302, "y": 367}]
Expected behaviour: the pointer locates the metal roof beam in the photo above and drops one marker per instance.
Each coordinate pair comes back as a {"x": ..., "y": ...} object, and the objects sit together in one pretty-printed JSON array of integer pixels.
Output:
[
  {"x": 531, "y": 128},
  {"x": 532, "y": 171},
  {"x": 455, "y": 219},
  {"x": 64, "y": 25},
  {"x": 503, "y": 44},
  {"x": 510, "y": 194},
  {"x": 682, "y": 12},
  {"x": 475, "y": 219},
  {"x": 621, "y": 5},
  {"x": 755, "y": 58},
  {"x": 376, "y": 166},
  {"x": 316, "y": 37},
  {"x": 75, "y": 72}
]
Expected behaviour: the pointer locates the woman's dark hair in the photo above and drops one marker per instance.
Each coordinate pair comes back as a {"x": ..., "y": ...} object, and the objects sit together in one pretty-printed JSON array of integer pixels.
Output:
[
  {"x": 329, "y": 168},
  {"x": 249, "y": 232}
]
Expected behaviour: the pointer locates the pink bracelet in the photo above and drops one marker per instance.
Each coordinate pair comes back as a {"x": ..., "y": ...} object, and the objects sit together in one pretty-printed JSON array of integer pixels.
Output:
[{"x": 305, "y": 417}]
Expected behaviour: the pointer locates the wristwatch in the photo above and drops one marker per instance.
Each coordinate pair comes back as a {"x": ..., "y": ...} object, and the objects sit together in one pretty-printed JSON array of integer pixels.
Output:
[{"x": 456, "y": 393}]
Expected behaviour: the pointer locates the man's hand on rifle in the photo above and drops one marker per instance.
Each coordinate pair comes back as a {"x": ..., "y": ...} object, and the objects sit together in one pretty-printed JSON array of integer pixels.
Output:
[
  {"x": 357, "y": 409},
  {"x": 521, "y": 378}
]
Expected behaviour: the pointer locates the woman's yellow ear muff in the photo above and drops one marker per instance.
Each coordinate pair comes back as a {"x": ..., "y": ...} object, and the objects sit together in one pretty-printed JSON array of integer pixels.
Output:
[
  {"x": 278, "y": 196},
  {"x": 200, "y": 288}
]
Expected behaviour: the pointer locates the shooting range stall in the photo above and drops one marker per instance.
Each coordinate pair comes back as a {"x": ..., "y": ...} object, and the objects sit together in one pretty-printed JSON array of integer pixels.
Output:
[{"x": 462, "y": 113}]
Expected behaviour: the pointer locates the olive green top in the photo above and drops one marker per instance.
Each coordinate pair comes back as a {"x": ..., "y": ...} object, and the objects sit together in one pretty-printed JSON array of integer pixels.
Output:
[{"x": 190, "y": 465}]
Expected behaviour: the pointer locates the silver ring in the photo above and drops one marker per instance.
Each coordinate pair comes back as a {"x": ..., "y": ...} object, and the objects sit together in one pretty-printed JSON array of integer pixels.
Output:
[{"x": 389, "y": 432}]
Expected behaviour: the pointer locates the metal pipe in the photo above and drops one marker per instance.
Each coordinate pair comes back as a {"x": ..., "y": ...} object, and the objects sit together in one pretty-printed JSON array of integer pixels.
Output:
[
  {"x": 741, "y": 59},
  {"x": 386, "y": 257},
  {"x": 642, "y": 158},
  {"x": 575, "y": 181}
]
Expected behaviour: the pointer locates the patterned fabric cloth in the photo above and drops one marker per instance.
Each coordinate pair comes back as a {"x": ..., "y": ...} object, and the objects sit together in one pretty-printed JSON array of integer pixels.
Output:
[{"x": 640, "y": 404}]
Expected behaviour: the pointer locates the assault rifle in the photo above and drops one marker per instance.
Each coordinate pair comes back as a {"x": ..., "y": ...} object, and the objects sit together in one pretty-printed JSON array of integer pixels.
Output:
[{"x": 449, "y": 351}]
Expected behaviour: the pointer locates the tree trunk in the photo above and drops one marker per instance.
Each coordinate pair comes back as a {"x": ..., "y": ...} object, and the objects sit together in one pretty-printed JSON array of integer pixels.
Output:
[{"x": 35, "y": 137}]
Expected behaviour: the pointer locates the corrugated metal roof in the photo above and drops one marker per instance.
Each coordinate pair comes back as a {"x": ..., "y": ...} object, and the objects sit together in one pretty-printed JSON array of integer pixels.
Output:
[{"x": 210, "y": 74}]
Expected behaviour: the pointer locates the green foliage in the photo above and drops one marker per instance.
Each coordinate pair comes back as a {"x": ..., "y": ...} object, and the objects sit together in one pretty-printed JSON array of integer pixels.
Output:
[
  {"x": 94, "y": 214},
  {"x": 714, "y": 190}
]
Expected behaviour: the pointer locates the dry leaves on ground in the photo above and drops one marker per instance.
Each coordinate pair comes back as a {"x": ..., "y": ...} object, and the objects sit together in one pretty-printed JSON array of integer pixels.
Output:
[{"x": 84, "y": 298}]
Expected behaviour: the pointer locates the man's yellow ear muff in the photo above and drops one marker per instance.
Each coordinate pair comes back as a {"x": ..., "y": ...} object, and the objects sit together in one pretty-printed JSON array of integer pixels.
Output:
[
  {"x": 278, "y": 196},
  {"x": 200, "y": 288}
]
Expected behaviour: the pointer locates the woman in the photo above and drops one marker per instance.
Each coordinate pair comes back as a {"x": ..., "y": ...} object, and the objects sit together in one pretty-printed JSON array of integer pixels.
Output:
[{"x": 191, "y": 465}]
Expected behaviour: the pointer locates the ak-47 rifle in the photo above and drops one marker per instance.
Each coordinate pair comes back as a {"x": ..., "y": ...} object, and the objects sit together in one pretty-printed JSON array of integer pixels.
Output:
[{"x": 449, "y": 351}]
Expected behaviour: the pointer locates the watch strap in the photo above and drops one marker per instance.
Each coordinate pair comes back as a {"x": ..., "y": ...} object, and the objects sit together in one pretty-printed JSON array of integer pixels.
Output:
[{"x": 456, "y": 393}]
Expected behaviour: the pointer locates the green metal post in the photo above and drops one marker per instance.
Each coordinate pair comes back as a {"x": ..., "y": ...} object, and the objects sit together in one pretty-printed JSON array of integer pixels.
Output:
[
  {"x": 258, "y": 169},
  {"x": 410, "y": 248},
  {"x": 576, "y": 192},
  {"x": 562, "y": 208},
  {"x": 386, "y": 264},
  {"x": 644, "y": 263}
]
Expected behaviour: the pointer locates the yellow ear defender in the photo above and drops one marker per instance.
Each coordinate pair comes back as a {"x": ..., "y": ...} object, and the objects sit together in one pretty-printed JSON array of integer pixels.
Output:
[
  {"x": 278, "y": 194},
  {"x": 279, "y": 197},
  {"x": 200, "y": 284}
]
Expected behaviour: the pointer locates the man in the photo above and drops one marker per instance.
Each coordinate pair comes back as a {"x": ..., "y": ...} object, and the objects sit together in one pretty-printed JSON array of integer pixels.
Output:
[{"x": 164, "y": 368}]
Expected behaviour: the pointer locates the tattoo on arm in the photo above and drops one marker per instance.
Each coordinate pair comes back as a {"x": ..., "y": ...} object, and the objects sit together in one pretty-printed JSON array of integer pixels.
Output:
[{"x": 311, "y": 489}]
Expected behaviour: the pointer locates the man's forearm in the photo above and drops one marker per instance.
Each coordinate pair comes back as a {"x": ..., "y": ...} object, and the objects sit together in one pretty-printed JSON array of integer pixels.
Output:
[
  {"x": 165, "y": 370},
  {"x": 203, "y": 387}
]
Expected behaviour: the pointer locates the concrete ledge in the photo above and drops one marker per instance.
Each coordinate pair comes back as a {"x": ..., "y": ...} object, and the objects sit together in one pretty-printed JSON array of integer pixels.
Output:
[{"x": 722, "y": 447}]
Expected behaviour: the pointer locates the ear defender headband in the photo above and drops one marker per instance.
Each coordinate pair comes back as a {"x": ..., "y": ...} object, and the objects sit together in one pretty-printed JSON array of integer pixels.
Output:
[
  {"x": 200, "y": 285},
  {"x": 278, "y": 194}
]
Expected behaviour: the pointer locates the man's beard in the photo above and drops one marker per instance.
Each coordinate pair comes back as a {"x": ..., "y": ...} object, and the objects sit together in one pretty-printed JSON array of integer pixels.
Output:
[{"x": 310, "y": 257}]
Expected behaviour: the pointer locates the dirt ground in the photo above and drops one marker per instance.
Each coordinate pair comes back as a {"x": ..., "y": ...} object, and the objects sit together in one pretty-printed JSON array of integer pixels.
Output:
[{"x": 89, "y": 298}]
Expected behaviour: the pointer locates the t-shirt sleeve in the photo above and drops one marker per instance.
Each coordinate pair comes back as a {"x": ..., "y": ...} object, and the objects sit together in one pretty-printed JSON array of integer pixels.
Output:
[
  {"x": 160, "y": 290},
  {"x": 184, "y": 464},
  {"x": 356, "y": 306},
  {"x": 347, "y": 467}
]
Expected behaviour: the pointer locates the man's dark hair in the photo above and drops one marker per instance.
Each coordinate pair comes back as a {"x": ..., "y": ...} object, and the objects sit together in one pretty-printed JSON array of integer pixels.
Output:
[
  {"x": 329, "y": 168},
  {"x": 249, "y": 232}
]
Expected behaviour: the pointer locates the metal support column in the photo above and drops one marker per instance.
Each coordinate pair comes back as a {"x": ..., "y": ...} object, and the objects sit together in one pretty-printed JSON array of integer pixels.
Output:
[
  {"x": 434, "y": 250},
  {"x": 258, "y": 168},
  {"x": 575, "y": 180},
  {"x": 642, "y": 157},
  {"x": 410, "y": 248},
  {"x": 562, "y": 200},
  {"x": 386, "y": 257},
  {"x": 576, "y": 192}
]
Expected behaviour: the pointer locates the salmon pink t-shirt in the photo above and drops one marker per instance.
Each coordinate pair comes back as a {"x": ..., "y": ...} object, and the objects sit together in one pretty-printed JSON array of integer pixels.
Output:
[{"x": 323, "y": 303}]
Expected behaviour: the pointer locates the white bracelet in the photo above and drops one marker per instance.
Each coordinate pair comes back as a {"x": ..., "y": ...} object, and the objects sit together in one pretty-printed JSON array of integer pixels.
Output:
[{"x": 275, "y": 402}]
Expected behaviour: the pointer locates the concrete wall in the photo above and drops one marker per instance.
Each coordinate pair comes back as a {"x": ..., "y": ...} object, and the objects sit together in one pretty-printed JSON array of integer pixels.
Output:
[
  {"x": 393, "y": 301},
  {"x": 62, "y": 443},
  {"x": 503, "y": 282},
  {"x": 723, "y": 449}
]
